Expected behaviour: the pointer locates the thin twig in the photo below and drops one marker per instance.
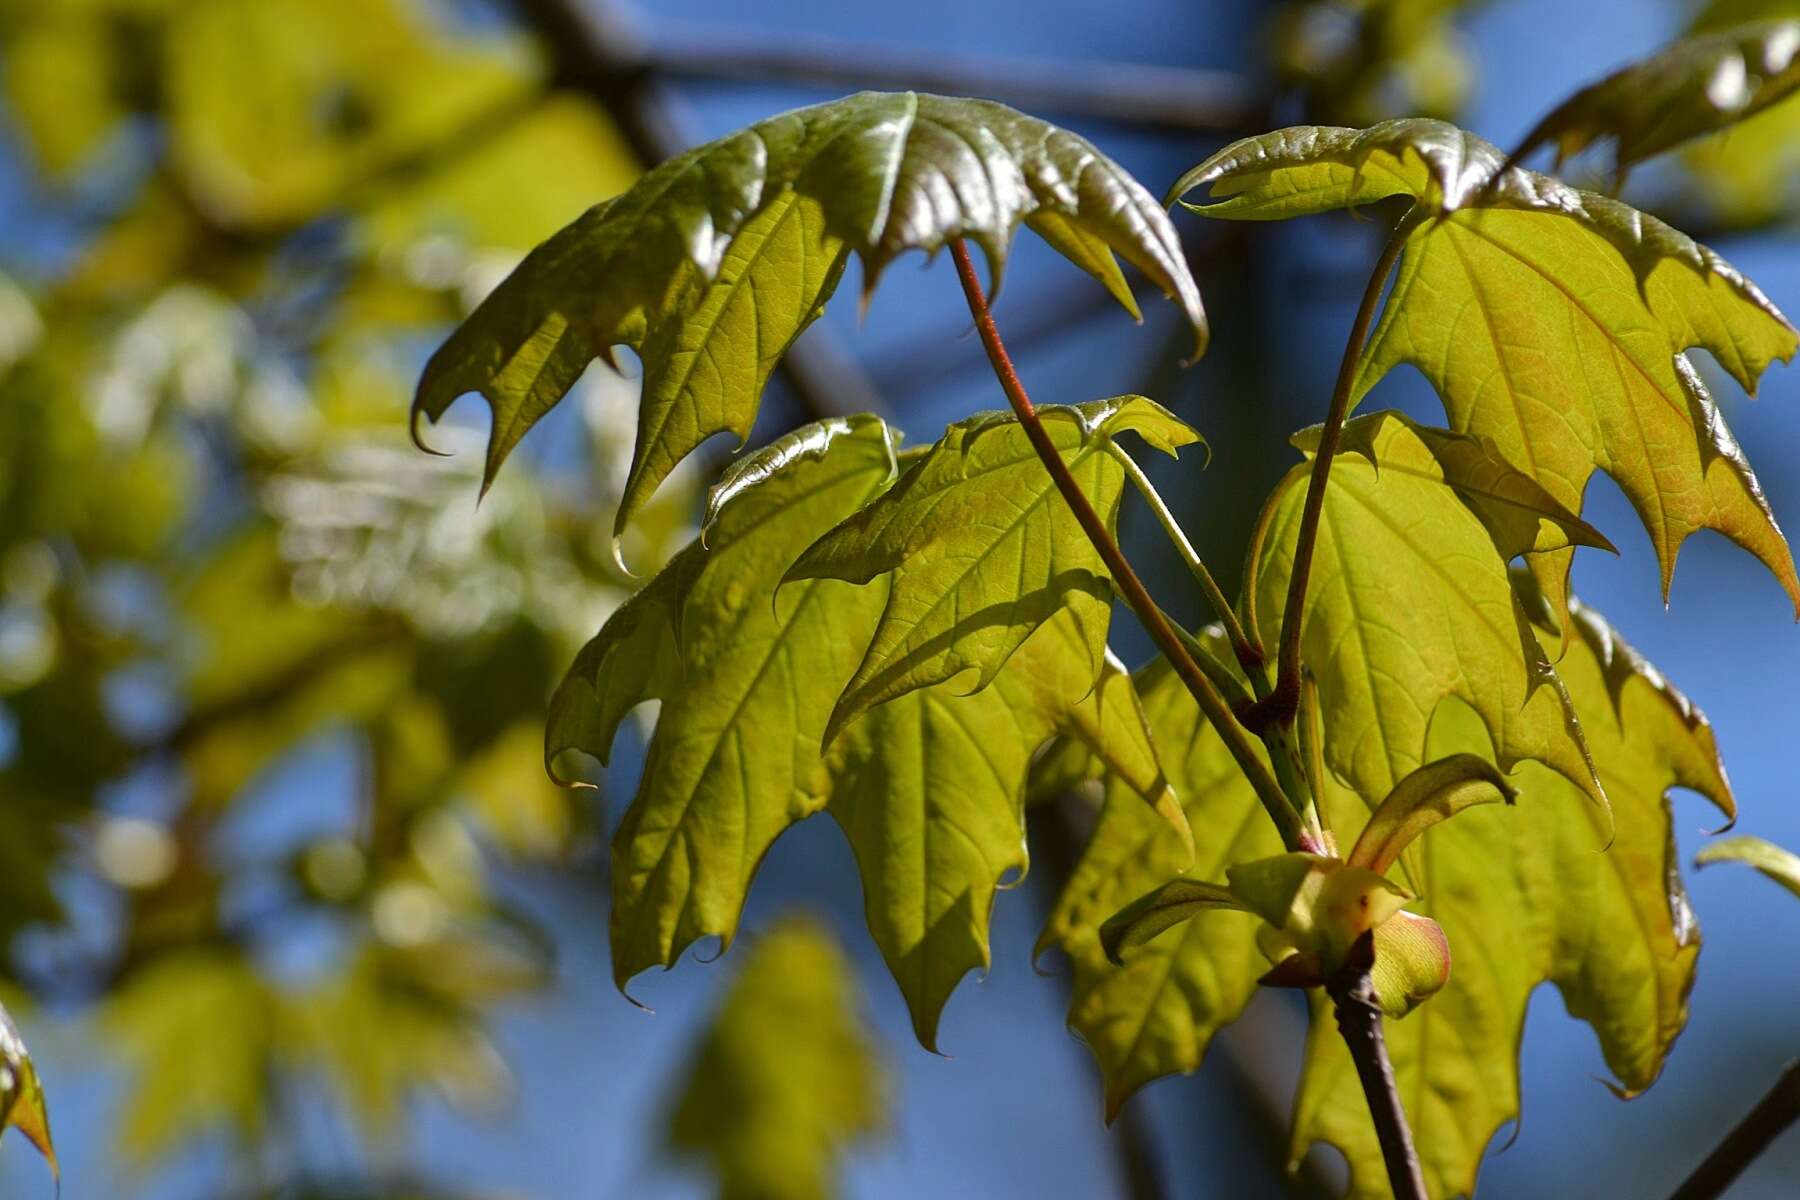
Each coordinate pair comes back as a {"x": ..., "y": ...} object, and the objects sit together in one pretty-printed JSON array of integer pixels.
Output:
[
  {"x": 1280, "y": 705},
  {"x": 1358, "y": 1012},
  {"x": 1211, "y": 703},
  {"x": 1773, "y": 1115}
]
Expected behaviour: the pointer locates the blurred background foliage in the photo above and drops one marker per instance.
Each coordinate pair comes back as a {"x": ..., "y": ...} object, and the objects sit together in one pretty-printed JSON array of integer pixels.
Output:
[{"x": 272, "y": 683}]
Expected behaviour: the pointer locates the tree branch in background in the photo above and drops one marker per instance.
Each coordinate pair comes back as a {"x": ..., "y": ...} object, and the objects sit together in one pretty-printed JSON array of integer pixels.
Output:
[{"x": 1773, "y": 1115}]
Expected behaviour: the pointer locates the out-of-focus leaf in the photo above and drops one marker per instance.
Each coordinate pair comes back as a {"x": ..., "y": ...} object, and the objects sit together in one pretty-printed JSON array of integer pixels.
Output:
[
  {"x": 21, "y": 1094},
  {"x": 1551, "y": 320},
  {"x": 275, "y": 107},
  {"x": 1752, "y": 171},
  {"x": 1694, "y": 87},
  {"x": 929, "y": 788},
  {"x": 986, "y": 548},
  {"x": 475, "y": 199},
  {"x": 1530, "y": 894},
  {"x": 1154, "y": 1015},
  {"x": 397, "y": 1019},
  {"x": 1402, "y": 544},
  {"x": 63, "y": 75},
  {"x": 716, "y": 260},
  {"x": 787, "y": 1076},
  {"x": 197, "y": 1032},
  {"x": 1783, "y": 866},
  {"x": 1358, "y": 61}
]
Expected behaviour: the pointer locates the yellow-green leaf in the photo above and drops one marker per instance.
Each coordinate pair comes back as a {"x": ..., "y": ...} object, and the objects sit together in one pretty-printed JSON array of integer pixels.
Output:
[
  {"x": 1552, "y": 321},
  {"x": 275, "y": 107},
  {"x": 21, "y": 1094},
  {"x": 160, "y": 1017},
  {"x": 1697, "y": 86},
  {"x": 990, "y": 549},
  {"x": 1410, "y": 604},
  {"x": 1434, "y": 792},
  {"x": 714, "y": 261},
  {"x": 746, "y": 679},
  {"x": 1783, "y": 866},
  {"x": 1173, "y": 903},
  {"x": 63, "y": 75},
  {"x": 929, "y": 789},
  {"x": 1536, "y": 893},
  {"x": 787, "y": 1076},
  {"x": 1154, "y": 1015}
]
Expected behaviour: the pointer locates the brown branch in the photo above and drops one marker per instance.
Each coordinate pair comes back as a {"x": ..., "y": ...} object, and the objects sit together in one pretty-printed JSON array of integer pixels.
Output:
[
  {"x": 1773, "y": 1115},
  {"x": 1274, "y": 801},
  {"x": 1280, "y": 705},
  {"x": 1177, "y": 99},
  {"x": 1359, "y": 1020}
]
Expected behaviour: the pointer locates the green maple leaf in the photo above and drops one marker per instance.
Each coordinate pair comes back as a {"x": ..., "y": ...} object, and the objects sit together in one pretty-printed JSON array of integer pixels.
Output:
[
  {"x": 787, "y": 1076},
  {"x": 21, "y": 1094},
  {"x": 1533, "y": 894},
  {"x": 929, "y": 788},
  {"x": 1410, "y": 602},
  {"x": 1524, "y": 894},
  {"x": 716, "y": 260},
  {"x": 1551, "y": 320},
  {"x": 990, "y": 548},
  {"x": 1697, "y": 86},
  {"x": 1154, "y": 1015}
]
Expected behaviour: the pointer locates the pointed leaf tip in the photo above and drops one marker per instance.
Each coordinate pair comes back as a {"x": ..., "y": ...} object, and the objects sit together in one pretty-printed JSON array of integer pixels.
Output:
[{"x": 716, "y": 260}]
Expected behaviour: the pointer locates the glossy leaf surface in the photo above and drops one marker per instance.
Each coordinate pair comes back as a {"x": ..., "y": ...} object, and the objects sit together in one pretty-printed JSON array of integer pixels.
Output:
[
  {"x": 929, "y": 787},
  {"x": 1697, "y": 86},
  {"x": 1550, "y": 320},
  {"x": 983, "y": 548},
  {"x": 22, "y": 1104},
  {"x": 716, "y": 260}
]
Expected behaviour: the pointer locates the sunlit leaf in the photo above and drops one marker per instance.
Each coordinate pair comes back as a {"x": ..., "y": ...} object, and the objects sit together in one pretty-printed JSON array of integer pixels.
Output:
[
  {"x": 716, "y": 260},
  {"x": 787, "y": 1076},
  {"x": 1551, "y": 320},
  {"x": 1410, "y": 604},
  {"x": 929, "y": 788},
  {"x": 1783, "y": 866},
  {"x": 1432, "y": 794},
  {"x": 1154, "y": 1015},
  {"x": 1694, "y": 87},
  {"x": 21, "y": 1094},
  {"x": 1537, "y": 893},
  {"x": 988, "y": 546}
]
